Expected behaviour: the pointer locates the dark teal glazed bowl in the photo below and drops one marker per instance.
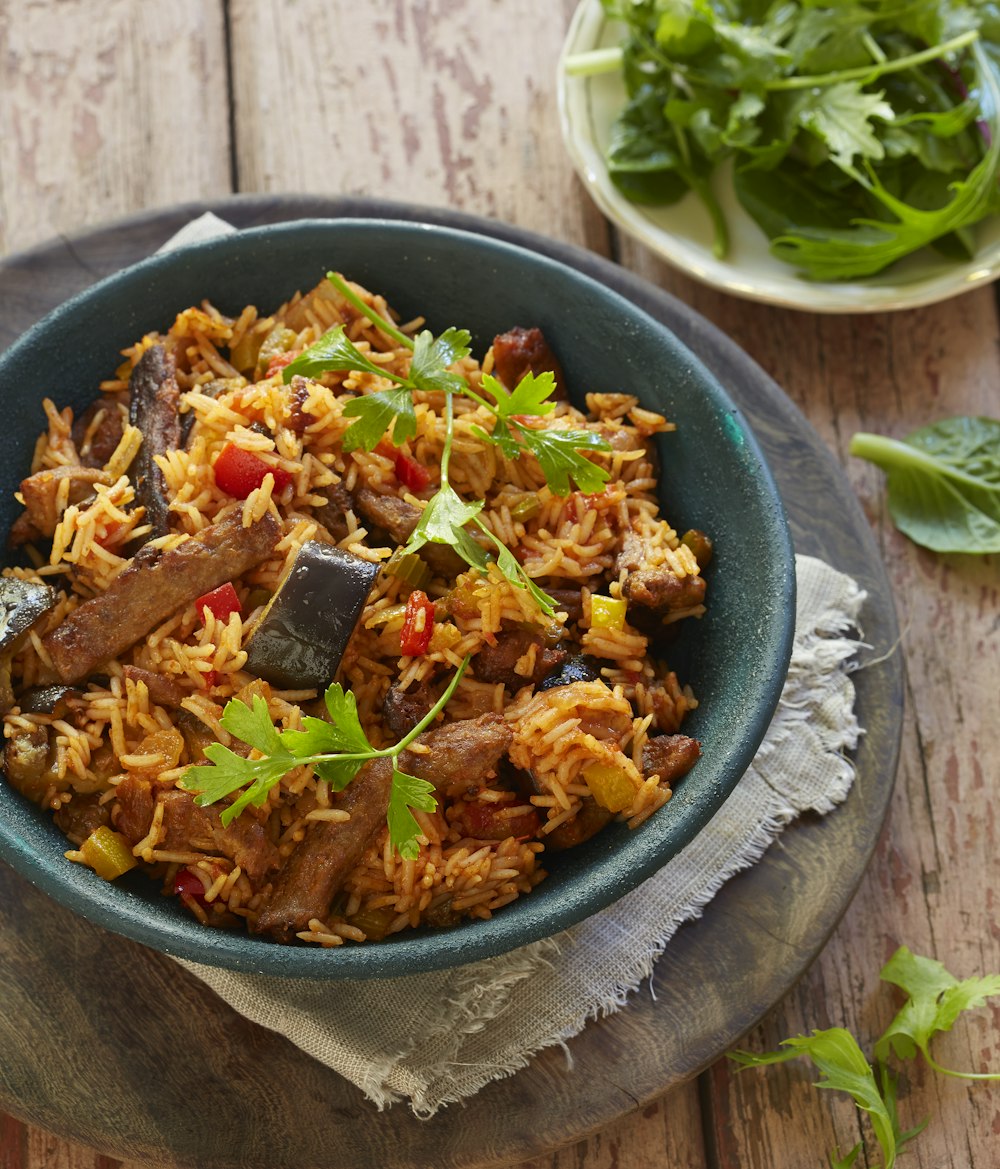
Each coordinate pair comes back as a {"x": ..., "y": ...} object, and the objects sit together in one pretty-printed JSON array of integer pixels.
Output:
[{"x": 714, "y": 478}]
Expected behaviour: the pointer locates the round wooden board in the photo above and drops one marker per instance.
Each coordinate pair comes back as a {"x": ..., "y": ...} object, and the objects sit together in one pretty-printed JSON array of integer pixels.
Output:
[{"x": 114, "y": 1046}]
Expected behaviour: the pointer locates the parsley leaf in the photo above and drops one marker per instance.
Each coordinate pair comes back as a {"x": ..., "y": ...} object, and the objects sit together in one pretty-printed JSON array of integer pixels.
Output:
[
  {"x": 333, "y": 351},
  {"x": 513, "y": 570},
  {"x": 408, "y": 792},
  {"x": 373, "y": 414},
  {"x": 443, "y": 522},
  {"x": 558, "y": 454},
  {"x": 432, "y": 356},
  {"x": 344, "y": 735}
]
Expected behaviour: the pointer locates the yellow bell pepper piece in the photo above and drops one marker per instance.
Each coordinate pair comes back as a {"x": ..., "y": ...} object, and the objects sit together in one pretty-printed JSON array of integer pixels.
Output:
[
  {"x": 607, "y": 613},
  {"x": 609, "y": 786},
  {"x": 107, "y": 852}
]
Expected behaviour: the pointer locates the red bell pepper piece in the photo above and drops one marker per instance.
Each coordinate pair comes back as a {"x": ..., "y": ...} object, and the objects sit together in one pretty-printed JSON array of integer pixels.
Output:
[
  {"x": 418, "y": 624},
  {"x": 410, "y": 473},
  {"x": 279, "y": 361},
  {"x": 221, "y": 602},
  {"x": 238, "y": 472},
  {"x": 188, "y": 885}
]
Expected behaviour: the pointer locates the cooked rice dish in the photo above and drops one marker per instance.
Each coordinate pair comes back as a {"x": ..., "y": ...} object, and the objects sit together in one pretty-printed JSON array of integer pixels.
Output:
[{"x": 206, "y": 554}]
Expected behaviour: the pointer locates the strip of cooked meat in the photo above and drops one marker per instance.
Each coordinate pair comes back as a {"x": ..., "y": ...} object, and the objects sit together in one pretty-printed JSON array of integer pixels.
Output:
[
  {"x": 465, "y": 751},
  {"x": 398, "y": 518},
  {"x": 40, "y": 493},
  {"x": 82, "y": 816},
  {"x": 153, "y": 396},
  {"x": 588, "y": 821},
  {"x": 568, "y": 601},
  {"x": 185, "y": 827},
  {"x": 333, "y": 514},
  {"x": 670, "y": 757},
  {"x": 655, "y": 588},
  {"x": 152, "y": 587},
  {"x": 520, "y": 351},
  {"x": 495, "y": 663},
  {"x": 313, "y": 874},
  {"x": 103, "y": 420},
  {"x": 164, "y": 691},
  {"x": 403, "y": 709}
]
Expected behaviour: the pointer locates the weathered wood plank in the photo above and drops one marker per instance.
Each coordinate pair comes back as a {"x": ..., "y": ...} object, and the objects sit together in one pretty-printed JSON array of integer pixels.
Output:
[
  {"x": 106, "y": 109},
  {"x": 445, "y": 103},
  {"x": 931, "y": 881}
]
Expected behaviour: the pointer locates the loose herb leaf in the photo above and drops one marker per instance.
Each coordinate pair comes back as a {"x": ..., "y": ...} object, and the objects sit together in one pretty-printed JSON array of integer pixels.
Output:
[
  {"x": 443, "y": 522},
  {"x": 558, "y": 454},
  {"x": 943, "y": 483},
  {"x": 374, "y": 414},
  {"x": 513, "y": 570},
  {"x": 333, "y": 351},
  {"x": 432, "y": 356},
  {"x": 408, "y": 792},
  {"x": 230, "y": 772},
  {"x": 252, "y": 724},
  {"x": 344, "y": 735},
  {"x": 935, "y": 999},
  {"x": 836, "y": 1054}
]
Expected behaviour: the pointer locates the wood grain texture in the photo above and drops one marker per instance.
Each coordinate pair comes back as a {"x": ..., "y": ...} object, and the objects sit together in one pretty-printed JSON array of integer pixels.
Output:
[
  {"x": 453, "y": 104},
  {"x": 100, "y": 105}
]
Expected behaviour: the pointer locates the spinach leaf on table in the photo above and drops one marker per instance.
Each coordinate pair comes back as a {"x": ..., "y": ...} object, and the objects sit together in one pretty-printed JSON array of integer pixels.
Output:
[{"x": 943, "y": 482}]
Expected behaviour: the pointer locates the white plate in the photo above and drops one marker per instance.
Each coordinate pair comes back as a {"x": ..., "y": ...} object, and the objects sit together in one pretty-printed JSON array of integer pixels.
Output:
[{"x": 682, "y": 235}]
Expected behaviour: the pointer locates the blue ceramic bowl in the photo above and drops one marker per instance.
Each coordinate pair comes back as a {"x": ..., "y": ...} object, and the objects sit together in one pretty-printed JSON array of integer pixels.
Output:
[{"x": 714, "y": 479}]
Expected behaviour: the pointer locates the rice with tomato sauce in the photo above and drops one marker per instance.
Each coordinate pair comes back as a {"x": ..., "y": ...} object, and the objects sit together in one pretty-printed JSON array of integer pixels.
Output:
[{"x": 583, "y": 715}]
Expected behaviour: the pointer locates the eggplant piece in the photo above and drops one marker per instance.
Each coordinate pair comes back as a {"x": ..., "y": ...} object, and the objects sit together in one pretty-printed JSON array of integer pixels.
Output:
[
  {"x": 579, "y": 668},
  {"x": 300, "y": 638},
  {"x": 153, "y": 396},
  {"x": 46, "y": 699},
  {"x": 22, "y": 603}
]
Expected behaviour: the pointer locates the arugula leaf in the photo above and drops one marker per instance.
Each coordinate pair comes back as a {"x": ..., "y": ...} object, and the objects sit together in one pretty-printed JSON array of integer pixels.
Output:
[
  {"x": 374, "y": 414},
  {"x": 836, "y": 1054},
  {"x": 333, "y": 351},
  {"x": 408, "y": 792},
  {"x": 935, "y": 999},
  {"x": 943, "y": 482}
]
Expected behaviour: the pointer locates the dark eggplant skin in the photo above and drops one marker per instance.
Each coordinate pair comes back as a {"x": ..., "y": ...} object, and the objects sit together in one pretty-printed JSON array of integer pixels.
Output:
[
  {"x": 298, "y": 641},
  {"x": 46, "y": 699},
  {"x": 153, "y": 398},
  {"x": 580, "y": 668},
  {"x": 22, "y": 603}
]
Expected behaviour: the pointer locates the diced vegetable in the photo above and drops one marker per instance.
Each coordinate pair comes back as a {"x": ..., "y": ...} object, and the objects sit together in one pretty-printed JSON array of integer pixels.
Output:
[
  {"x": 700, "y": 545},
  {"x": 526, "y": 508},
  {"x": 22, "y": 603},
  {"x": 409, "y": 567},
  {"x": 609, "y": 785},
  {"x": 278, "y": 341},
  {"x": 107, "y": 852},
  {"x": 374, "y": 922},
  {"x": 580, "y": 668},
  {"x": 188, "y": 884},
  {"x": 410, "y": 473},
  {"x": 221, "y": 602},
  {"x": 607, "y": 613},
  {"x": 418, "y": 624},
  {"x": 300, "y": 637},
  {"x": 278, "y": 363},
  {"x": 239, "y": 472}
]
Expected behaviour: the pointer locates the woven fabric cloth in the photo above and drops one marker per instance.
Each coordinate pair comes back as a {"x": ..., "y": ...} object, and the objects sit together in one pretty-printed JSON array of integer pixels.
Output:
[{"x": 435, "y": 1038}]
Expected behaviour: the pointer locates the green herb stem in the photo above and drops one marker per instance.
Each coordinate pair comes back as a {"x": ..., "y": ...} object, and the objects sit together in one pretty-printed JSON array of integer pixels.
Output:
[
  {"x": 891, "y": 454},
  {"x": 376, "y": 319},
  {"x": 869, "y": 73},
  {"x": 594, "y": 62}
]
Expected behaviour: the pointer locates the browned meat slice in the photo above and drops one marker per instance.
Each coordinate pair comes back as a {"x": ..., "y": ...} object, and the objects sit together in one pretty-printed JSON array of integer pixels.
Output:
[
  {"x": 403, "y": 709},
  {"x": 98, "y": 431},
  {"x": 397, "y": 518},
  {"x": 164, "y": 691},
  {"x": 670, "y": 757},
  {"x": 463, "y": 752},
  {"x": 520, "y": 351},
  {"x": 152, "y": 587},
  {"x": 153, "y": 395},
  {"x": 568, "y": 601},
  {"x": 313, "y": 874},
  {"x": 663, "y": 591},
  {"x": 498, "y": 819},
  {"x": 588, "y": 821},
  {"x": 495, "y": 663},
  {"x": 187, "y": 828},
  {"x": 333, "y": 514},
  {"x": 81, "y": 816},
  {"x": 40, "y": 493},
  {"x": 298, "y": 418},
  {"x": 244, "y": 841},
  {"x": 28, "y": 761}
]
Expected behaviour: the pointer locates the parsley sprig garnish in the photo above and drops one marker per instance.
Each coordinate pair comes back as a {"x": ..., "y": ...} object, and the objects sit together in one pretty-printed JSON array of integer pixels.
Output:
[
  {"x": 934, "y": 1000},
  {"x": 336, "y": 750},
  {"x": 447, "y": 518}
]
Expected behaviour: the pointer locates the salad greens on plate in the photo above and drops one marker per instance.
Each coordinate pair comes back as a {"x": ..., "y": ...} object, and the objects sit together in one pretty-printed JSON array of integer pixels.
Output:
[{"x": 856, "y": 131}]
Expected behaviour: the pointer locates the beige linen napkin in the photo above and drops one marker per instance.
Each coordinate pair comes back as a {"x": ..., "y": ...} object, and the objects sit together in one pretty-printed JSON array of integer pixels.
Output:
[{"x": 435, "y": 1038}]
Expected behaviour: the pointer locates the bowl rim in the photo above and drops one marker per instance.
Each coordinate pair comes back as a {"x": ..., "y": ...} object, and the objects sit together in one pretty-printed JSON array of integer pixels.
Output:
[{"x": 128, "y": 915}]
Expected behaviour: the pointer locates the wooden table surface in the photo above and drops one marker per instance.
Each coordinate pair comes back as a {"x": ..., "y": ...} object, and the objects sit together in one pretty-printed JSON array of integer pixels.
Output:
[{"x": 112, "y": 107}]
